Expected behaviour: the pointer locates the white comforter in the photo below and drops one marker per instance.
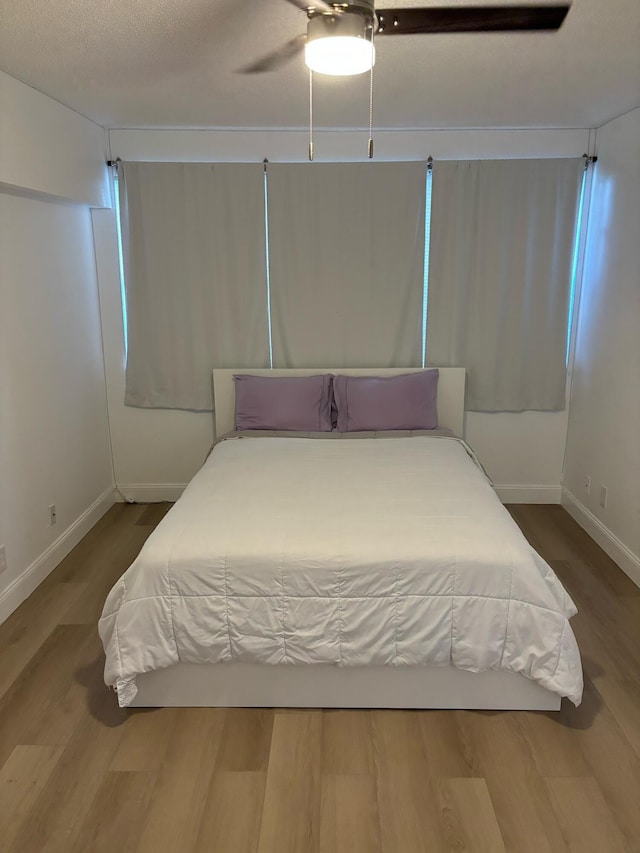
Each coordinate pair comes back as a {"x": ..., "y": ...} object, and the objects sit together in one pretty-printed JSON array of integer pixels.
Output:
[{"x": 290, "y": 550}]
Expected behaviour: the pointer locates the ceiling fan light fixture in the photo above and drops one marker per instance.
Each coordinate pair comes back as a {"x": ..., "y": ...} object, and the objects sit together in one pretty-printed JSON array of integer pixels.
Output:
[
  {"x": 340, "y": 55},
  {"x": 340, "y": 46}
]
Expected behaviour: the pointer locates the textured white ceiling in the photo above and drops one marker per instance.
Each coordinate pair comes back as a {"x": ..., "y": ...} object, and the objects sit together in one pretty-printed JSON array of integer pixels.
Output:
[{"x": 172, "y": 63}]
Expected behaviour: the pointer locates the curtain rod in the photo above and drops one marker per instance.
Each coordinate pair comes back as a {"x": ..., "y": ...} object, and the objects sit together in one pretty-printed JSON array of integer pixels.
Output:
[
  {"x": 265, "y": 163},
  {"x": 589, "y": 159}
]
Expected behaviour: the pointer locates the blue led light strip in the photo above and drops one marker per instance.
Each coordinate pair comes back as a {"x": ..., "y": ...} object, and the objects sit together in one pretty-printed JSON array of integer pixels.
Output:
[
  {"x": 427, "y": 243},
  {"x": 266, "y": 241},
  {"x": 574, "y": 264},
  {"x": 123, "y": 293}
]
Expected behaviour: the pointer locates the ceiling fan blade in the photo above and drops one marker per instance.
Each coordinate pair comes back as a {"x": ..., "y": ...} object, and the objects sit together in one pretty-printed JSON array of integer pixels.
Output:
[
  {"x": 470, "y": 19},
  {"x": 318, "y": 5},
  {"x": 276, "y": 58}
]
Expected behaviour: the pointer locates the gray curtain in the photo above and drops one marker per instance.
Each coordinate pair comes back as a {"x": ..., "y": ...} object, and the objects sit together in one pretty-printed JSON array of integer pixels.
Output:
[
  {"x": 195, "y": 272},
  {"x": 346, "y": 248},
  {"x": 502, "y": 241}
]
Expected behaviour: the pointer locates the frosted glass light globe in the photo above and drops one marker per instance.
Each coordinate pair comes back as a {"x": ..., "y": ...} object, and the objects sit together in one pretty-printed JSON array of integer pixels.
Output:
[{"x": 340, "y": 55}]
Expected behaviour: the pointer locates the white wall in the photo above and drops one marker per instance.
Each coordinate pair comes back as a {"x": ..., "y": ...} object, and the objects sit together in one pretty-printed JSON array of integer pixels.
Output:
[
  {"x": 604, "y": 424},
  {"x": 54, "y": 437},
  {"x": 54, "y": 446},
  {"x": 291, "y": 146},
  {"x": 47, "y": 148},
  {"x": 157, "y": 452}
]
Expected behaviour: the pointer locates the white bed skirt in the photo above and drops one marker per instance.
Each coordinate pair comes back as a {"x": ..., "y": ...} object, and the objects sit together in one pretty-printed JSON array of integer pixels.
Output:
[{"x": 322, "y": 686}]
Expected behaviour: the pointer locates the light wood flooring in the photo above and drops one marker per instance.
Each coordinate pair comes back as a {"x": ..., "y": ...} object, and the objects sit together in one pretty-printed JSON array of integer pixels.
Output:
[{"x": 79, "y": 774}]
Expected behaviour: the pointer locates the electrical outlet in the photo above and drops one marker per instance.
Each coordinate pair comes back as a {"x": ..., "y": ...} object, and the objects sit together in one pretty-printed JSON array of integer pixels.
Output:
[
  {"x": 3, "y": 559},
  {"x": 604, "y": 492},
  {"x": 52, "y": 515},
  {"x": 587, "y": 485}
]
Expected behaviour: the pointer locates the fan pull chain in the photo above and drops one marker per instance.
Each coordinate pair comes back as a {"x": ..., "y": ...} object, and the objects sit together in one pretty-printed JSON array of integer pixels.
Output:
[
  {"x": 370, "y": 145},
  {"x": 310, "y": 114}
]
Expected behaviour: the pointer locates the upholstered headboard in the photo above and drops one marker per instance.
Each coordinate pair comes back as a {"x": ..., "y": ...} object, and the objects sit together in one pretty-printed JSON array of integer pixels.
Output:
[{"x": 451, "y": 384}]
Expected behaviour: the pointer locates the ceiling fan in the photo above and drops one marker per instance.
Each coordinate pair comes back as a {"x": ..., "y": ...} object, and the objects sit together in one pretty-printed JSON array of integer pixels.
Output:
[{"x": 339, "y": 37}]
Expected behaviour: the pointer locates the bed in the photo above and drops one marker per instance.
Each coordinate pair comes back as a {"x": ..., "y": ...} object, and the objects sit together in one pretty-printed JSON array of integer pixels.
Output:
[{"x": 380, "y": 571}]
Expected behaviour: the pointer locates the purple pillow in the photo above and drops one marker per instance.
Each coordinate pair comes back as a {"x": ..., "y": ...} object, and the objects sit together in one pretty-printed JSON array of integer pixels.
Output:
[
  {"x": 284, "y": 402},
  {"x": 407, "y": 401}
]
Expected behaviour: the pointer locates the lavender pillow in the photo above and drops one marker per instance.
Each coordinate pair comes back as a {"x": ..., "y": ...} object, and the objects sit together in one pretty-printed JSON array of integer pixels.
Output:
[
  {"x": 300, "y": 403},
  {"x": 407, "y": 401}
]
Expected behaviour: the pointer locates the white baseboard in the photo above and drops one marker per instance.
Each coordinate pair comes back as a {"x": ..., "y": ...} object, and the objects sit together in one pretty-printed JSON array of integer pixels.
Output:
[
  {"x": 608, "y": 541},
  {"x": 150, "y": 492},
  {"x": 22, "y": 587},
  {"x": 529, "y": 494}
]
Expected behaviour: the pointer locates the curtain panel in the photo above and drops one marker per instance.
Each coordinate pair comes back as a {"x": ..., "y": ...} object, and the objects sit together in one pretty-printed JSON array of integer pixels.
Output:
[
  {"x": 195, "y": 272},
  {"x": 502, "y": 244},
  {"x": 346, "y": 260}
]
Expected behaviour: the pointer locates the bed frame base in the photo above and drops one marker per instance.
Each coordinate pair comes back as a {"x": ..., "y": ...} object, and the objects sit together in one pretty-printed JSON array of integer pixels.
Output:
[{"x": 249, "y": 685}]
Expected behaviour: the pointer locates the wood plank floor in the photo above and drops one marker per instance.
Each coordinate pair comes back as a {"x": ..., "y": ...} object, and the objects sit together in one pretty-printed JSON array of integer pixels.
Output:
[{"x": 79, "y": 774}]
